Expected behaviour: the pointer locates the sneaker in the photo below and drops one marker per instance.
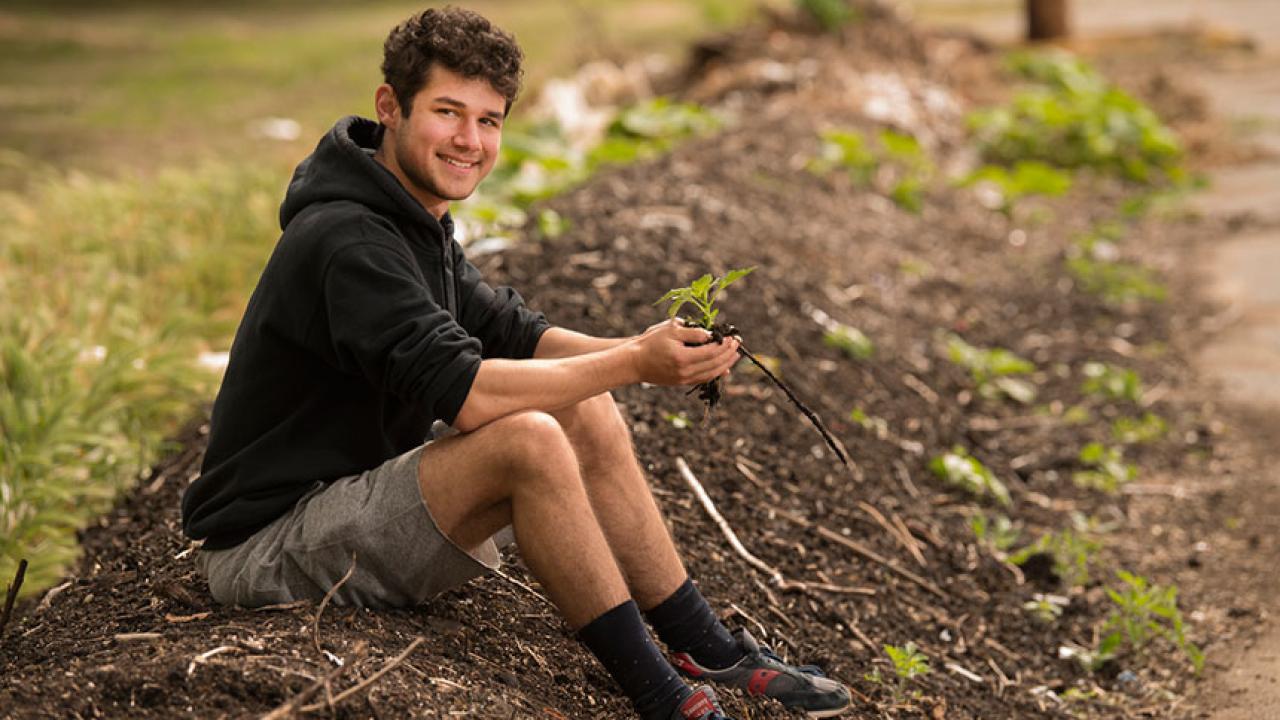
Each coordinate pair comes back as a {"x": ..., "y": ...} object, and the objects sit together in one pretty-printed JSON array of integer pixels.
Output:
[
  {"x": 701, "y": 705},
  {"x": 761, "y": 672}
]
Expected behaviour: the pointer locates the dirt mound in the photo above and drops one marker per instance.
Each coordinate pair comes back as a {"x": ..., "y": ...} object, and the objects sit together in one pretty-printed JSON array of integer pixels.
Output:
[{"x": 887, "y": 550}]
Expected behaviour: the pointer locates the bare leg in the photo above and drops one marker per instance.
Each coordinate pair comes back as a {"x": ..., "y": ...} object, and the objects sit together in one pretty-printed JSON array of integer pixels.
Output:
[
  {"x": 620, "y": 496},
  {"x": 520, "y": 470}
]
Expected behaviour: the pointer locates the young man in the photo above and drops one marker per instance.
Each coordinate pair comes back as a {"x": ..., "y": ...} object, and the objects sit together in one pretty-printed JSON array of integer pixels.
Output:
[{"x": 368, "y": 325}]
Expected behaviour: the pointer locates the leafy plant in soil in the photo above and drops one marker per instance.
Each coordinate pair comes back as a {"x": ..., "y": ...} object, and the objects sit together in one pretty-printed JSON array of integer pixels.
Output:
[
  {"x": 1027, "y": 178},
  {"x": 992, "y": 370},
  {"x": 849, "y": 340},
  {"x": 998, "y": 532},
  {"x": 908, "y": 664},
  {"x": 831, "y": 15},
  {"x": 1069, "y": 553},
  {"x": 1148, "y": 428},
  {"x": 702, "y": 295},
  {"x": 1045, "y": 609},
  {"x": 1072, "y": 117},
  {"x": 1142, "y": 613},
  {"x": 1107, "y": 469},
  {"x": 1110, "y": 382},
  {"x": 898, "y": 165},
  {"x": 961, "y": 469}
]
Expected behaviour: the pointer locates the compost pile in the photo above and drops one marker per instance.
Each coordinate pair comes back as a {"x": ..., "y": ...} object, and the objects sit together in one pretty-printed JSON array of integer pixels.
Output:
[{"x": 878, "y": 553}]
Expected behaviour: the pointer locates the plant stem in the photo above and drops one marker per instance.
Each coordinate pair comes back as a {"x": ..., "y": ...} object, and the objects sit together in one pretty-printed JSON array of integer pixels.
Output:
[{"x": 804, "y": 409}]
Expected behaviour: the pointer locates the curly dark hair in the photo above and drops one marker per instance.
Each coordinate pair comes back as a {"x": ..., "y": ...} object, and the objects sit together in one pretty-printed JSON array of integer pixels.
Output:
[{"x": 460, "y": 40}]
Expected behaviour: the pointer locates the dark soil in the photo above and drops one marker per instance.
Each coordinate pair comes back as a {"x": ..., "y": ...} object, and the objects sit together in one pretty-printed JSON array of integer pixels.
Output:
[{"x": 495, "y": 649}]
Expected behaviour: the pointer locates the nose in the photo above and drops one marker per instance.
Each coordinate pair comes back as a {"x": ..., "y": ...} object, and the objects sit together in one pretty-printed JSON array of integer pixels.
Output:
[{"x": 468, "y": 136}]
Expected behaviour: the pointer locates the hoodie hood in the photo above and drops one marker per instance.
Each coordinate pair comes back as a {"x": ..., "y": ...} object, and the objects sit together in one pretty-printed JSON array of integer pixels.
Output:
[{"x": 342, "y": 168}]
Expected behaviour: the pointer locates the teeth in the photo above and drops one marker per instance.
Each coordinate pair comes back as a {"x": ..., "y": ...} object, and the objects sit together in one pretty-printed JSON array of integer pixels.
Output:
[{"x": 455, "y": 163}]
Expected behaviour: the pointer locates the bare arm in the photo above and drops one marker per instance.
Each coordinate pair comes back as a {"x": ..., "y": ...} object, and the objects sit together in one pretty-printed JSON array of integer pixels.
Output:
[
  {"x": 558, "y": 342},
  {"x": 659, "y": 356}
]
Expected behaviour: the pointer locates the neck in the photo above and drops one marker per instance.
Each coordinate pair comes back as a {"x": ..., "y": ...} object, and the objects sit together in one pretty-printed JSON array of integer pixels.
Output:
[{"x": 387, "y": 159}]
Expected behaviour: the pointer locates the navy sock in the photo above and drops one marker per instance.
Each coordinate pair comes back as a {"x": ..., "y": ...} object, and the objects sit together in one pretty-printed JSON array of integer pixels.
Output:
[
  {"x": 686, "y": 623},
  {"x": 621, "y": 643}
]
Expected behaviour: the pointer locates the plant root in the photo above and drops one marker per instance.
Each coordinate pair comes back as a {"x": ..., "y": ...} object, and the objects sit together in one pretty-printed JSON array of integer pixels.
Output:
[{"x": 810, "y": 415}]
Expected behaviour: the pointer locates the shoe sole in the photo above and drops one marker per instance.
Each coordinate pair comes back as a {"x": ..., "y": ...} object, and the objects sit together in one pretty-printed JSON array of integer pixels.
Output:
[{"x": 828, "y": 713}]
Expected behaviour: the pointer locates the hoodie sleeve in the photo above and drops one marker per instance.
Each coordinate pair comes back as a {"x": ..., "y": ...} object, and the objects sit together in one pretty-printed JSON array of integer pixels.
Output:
[
  {"x": 384, "y": 324},
  {"x": 497, "y": 316}
]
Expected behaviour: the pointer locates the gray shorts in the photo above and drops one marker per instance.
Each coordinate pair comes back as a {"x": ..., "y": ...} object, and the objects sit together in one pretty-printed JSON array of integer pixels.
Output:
[{"x": 402, "y": 558}]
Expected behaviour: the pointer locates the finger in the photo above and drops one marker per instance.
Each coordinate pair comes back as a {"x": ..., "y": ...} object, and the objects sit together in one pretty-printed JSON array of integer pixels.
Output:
[{"x": 693, "y": 335}]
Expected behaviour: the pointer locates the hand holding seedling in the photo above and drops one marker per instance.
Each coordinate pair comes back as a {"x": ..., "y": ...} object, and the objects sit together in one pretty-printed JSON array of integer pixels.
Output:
[
  {"x": 674, "y": 353},
  {"x": 702, "y": 294}
]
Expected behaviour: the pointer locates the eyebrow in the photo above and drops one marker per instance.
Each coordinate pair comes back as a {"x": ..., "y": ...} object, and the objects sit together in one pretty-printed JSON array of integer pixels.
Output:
[{"x": 445, "y": 99}]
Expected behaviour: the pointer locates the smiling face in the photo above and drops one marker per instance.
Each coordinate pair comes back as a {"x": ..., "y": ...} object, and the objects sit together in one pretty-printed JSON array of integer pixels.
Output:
[{"x": 448, "y": 143}]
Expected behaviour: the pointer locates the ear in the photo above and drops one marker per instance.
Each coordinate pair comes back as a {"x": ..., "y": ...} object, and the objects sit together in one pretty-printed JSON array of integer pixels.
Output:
[{"x": 387, "y": 106}]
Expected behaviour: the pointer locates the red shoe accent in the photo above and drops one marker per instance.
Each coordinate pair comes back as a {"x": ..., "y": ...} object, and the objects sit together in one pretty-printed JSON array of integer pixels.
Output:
[
  {"x": 682, "y": 661},
  {"x": 760, "y": 680},
  {"x": 697, "y": 705}
]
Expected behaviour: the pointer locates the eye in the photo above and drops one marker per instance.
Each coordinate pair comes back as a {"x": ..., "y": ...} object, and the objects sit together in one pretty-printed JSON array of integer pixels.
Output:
[
  {"x": 447, "y": 112},
  {"x": 491, "y": 122}
]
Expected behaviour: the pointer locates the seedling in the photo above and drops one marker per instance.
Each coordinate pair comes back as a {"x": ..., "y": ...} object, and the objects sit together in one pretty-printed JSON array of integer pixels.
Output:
[
  {"x": 1118, "y": 283},
  {"x": 876, "y": 425},
  {"x": 1148, "y": 428},
  {"x": 1111, "y": 382},
  {"x": 1107, "y": 469},
  {"x": 702, "y": 295},
  {"x": 961, "y": 469},
  {"x": 1071, "y": 554},
  {"x": 992, "y": 368},
  {"x": 908, "y": 664},
  {"x": 1043, "y": 608},
  {"x": 908, "y": 167},
  {"x": 830, "y": 14},
  {"x": 849, "y": 340},
  {"x": 998, "y": 533},
  {"x": 679, "y": 421},
  {"x": 1028, "y": 177},
  {"x": 845, "y": 149},
  {"x": 1144, "y": 612}
]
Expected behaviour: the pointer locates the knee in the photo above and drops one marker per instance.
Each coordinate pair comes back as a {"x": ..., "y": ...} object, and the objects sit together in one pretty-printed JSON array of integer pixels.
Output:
[
  {"x": 596, "y": 425},
  {"x": 534, "y": 443}
]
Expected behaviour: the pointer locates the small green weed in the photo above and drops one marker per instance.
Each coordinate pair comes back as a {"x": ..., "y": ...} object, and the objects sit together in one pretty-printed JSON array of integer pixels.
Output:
[
  {"x": 908, "y": 664},
  {"x": 1144, "y": 612},
  {"x": 1028, "y": 177},
  {"x": 992, "y": 368},
  {"x": 962, "y": 470},
  {"x": 1148, "y": 428},
  {"x": 679, "y": 421},
  {"x": 877, "y": 425},
  {"x": 1110, "y": 382},
  {"x": 849, "y": 340},
  {"x": 1097, "y": 271},
  {"x": 907, "y": 168},
  {"x": 1072, "y": 555},
  {"x": 831, "y": 15},
  {"x": 998, "y": 533},
  {"x": 1043, "y": 608},
  {"x": 1107, "y": 469}
]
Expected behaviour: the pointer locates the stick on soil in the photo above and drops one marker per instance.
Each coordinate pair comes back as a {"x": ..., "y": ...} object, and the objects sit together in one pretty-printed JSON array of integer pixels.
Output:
[
  {"x": 12, "y": 595},
  {"x": 810, "y": 415}
]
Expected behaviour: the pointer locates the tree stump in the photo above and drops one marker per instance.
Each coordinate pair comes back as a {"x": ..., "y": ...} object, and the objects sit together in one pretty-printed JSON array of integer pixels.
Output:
[{"x": 1046, "y": 19}]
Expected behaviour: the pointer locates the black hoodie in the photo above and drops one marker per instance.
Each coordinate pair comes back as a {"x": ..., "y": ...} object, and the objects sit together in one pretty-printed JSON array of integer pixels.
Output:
[{"x": 367, "y": 325}]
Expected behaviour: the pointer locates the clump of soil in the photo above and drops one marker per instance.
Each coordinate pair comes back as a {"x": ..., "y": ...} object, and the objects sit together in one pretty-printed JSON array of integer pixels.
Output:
[{"x": 884, "y": 558}]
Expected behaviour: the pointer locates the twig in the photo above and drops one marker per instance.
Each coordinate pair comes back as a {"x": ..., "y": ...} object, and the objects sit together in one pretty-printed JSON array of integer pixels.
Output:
[
  {"x": 204, "y": 656},
  {"x": 315, "y": 624},
  {"x": 804, "y": 409},
  {"x": 920, "y": 388},
  {"x": 288, "y": 707},
  {"x": 12, "y": 595},
  {"x": 904, "y": 476},
  {"x": 369, "y": 680},
  {"x": 864, "y": 552},
  {"x": 893, "y": 531},
  {"x": 524, "y": 587},
  {"x": 730, "y": 535}
]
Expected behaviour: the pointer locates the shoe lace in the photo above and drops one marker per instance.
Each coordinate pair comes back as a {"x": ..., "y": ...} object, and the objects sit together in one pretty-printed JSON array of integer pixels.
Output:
[{"x": 813, "y": 670}]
